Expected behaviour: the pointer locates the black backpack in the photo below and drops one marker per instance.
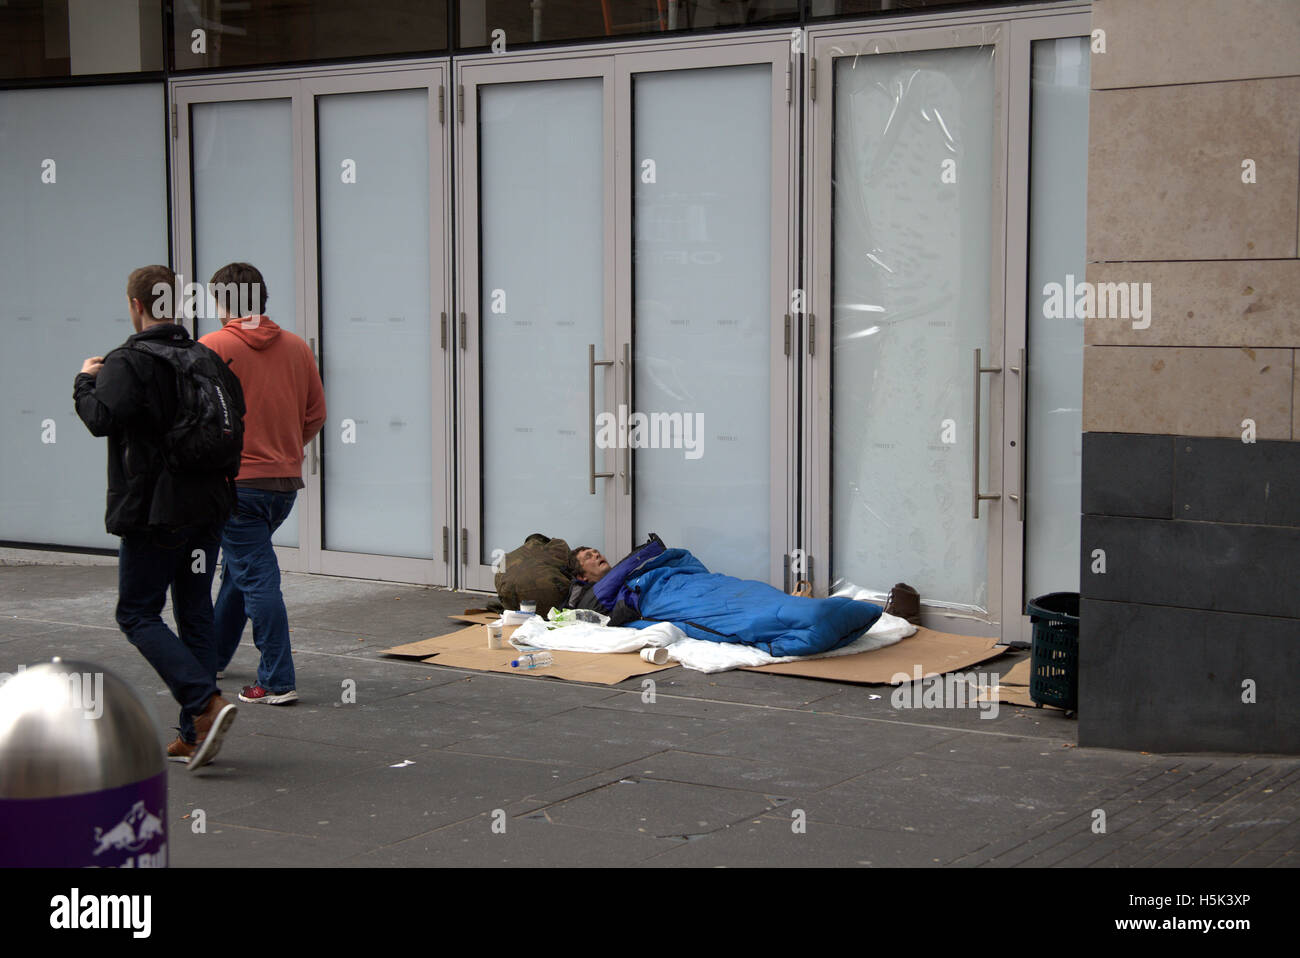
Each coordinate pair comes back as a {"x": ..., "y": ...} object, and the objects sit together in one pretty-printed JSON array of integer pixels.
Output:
[{"x": 207, "y": 434}]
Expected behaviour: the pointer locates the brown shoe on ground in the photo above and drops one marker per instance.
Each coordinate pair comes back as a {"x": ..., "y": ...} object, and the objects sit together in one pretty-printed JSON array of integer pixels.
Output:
[
  {"x": 180, "y": 750},
  {"x": 210, "y": 728},
  {"x": 904, "y": 602}
]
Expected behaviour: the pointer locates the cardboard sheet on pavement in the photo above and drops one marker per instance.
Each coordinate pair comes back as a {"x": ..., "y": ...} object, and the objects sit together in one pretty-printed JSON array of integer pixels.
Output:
[
  {"x": 934, "y": 653},
  {"x": 470, "y": 637},
  {"x": 477, "y": 618},
  {"x": 1013, "y": 687},
  {"x": 467, "y": 649}
]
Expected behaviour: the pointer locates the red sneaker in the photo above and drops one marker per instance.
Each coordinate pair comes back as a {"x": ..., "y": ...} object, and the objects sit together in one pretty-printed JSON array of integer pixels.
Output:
[{"x": 260, "y": 696}]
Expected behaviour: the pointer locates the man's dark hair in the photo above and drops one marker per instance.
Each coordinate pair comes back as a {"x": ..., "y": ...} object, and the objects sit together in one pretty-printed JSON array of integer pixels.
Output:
[
  {"x": 239, "y": 285},
  {"x": 142, "y": 285},
  {"x": 573, "y": 558}
]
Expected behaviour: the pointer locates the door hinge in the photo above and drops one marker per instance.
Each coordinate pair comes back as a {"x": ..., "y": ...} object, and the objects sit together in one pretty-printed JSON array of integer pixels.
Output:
[
  {"x": 444, "y": 331},
  {"x": 787, "y": 334},
  {"x": 812, "y": 334},
  {"x": 176, "y": 132},
  {"x": 464, "y": 546},
  {"x": 442, "y": 104},
  {"x": 812, "y": 79},
  {"x": 463, "y": 331},
  {"x": 446, "y": 544},
  {"x": 785, "y": 573},
  {"x": 788, "y": 70},
  {"x": 460, "y": 103}
]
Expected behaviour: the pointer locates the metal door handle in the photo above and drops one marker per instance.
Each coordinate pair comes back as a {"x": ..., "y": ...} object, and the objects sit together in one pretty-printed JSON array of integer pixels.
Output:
[
  {"x": 592, "y": 363},
  {"x": 627, "y": 404},
  {"x": 315, "y": 440},
  {"x": 1023, "y": 373},
  {"x": 976, "y": 495}
]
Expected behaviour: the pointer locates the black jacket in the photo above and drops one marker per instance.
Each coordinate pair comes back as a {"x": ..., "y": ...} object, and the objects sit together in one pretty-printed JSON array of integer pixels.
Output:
[{"x": 132, "y": 401}]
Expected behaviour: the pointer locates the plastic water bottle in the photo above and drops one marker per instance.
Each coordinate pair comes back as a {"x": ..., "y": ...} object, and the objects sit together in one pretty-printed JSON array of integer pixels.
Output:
[{"x": 533, "y": 660}]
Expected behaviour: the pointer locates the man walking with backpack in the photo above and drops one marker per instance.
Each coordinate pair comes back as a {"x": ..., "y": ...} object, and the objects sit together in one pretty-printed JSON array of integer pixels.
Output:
[
  {"x": 172, "y": 413},
  {"x": 286, "y": 409}
]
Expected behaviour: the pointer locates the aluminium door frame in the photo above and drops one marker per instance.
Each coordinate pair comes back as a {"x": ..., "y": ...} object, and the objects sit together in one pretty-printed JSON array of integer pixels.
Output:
[
  {"x": 783, "y": 258},
  {"x": 615, "y": 62},
  {"x": 472, "y": 573},
  {"x": 228, "y": 90},
  {"x": 433, "y": 78},
  {"x": 297, "y": 85},
  {"x": 1075, "y": 21},
  {"x": 868, "y": 39}
]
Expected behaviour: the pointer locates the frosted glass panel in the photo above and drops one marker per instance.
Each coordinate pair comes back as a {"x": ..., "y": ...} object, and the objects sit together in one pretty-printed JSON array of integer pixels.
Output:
[
  {"x": 242, "y": 178},
  {"x": 83, "y": 195},
  {"x": 1057, "y": 205},
  {"x": 375, "y": 322},
  {"x": 703, "y": 315},
  {"x": 541, "y": 209},
  {"x": 912, "y": 225}
]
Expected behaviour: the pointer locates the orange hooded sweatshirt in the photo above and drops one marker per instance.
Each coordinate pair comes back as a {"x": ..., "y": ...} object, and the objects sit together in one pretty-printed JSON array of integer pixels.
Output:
[{"x": 282, "y": 391}]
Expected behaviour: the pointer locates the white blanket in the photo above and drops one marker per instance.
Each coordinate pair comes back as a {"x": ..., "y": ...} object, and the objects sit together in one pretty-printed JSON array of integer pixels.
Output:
[{"x": 691, "y": 653}]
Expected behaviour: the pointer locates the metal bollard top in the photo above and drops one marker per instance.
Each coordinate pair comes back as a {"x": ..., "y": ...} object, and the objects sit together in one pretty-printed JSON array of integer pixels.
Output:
[{"x": 67, "y": 728}]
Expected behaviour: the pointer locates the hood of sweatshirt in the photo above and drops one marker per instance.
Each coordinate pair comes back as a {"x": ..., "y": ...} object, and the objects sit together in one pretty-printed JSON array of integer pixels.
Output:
[{"x": 257, "y": 331}]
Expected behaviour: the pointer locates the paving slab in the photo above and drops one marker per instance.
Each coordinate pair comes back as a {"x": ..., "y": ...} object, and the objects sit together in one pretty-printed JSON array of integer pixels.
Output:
[
  {"x": 383, "y": 804},
  {"x": 607, "y": 737},
  {"x": 824, "y": 741},
  {"x": 523, "y": 842},
  {"x": 659, "y": 809},
  {"x": 773, "y": 838}
]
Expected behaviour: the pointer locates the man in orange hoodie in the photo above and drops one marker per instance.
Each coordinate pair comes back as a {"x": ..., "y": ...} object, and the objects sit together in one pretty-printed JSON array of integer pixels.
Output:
[{"x": 286, "y": 409}]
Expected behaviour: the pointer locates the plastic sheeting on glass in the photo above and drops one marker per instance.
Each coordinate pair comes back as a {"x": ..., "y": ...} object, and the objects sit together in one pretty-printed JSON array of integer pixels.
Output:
[
  {"x": 912, "y": 197},
  {"x": 702, "y": 323},
  {"x": 242, "y": 180},
  {"x": 1058, "y": 182},
  {"x": 83, "y": 196},
  {"x": 375, "y": 322},
  {"x": 542, "y": 240}
]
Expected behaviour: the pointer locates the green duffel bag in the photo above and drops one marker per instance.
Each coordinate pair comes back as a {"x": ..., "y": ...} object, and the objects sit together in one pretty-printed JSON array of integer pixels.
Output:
[{"x": 539, "y": 570}]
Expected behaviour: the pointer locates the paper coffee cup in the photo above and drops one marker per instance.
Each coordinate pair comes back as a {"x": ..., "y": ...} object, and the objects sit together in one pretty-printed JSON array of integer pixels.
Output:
[
  {"x": 655, "y": 655},
  {"x": 495, "y": 639}
]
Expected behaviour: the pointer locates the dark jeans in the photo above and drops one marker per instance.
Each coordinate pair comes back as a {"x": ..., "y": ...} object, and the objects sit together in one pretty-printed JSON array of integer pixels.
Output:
[
  {"x": 250, "y": 587},
  {"x": 149, "y": 563}
]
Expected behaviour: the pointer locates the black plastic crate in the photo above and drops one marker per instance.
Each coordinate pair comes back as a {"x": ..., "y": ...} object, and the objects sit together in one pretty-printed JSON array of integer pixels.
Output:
[{"x": 1054, "y": 656}]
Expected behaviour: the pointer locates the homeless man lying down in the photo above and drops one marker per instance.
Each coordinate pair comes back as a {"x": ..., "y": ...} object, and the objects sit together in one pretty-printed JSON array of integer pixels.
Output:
[{"x": 658, "y": 584}]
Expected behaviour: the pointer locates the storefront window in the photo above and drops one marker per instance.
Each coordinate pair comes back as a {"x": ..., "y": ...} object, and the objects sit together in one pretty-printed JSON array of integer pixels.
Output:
[
  {"x": 849, "y": 8},
  {"x": 56, "y": 38},
  {"x": 505, "y": 24},
  {"x": 209, "y": 33}
]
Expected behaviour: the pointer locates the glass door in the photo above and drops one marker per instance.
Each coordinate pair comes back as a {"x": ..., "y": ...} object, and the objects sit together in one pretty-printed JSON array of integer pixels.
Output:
[
  {"x": 343, "y": 206},
  {"x": 377, "y": 290},
  {"x": 536, "y": 308},
  {"x": 904, "y": 331},
  {"x": 627, "y": 263},
  {"x": 945, "y": 409},
  {"x": 708, "y": 449},
  {"x": 240, "y": 204},
  {"x": 1050, "y": 59}
]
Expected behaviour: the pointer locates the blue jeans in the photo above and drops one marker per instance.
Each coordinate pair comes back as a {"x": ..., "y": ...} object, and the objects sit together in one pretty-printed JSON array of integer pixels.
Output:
[
  {"x": 250, "y": 587},
  {"x": 183, "y": 560}
]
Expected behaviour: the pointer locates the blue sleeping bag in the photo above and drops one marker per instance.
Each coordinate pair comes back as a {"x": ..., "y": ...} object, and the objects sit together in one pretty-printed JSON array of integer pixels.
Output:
[{"x": 675, "y": 587}]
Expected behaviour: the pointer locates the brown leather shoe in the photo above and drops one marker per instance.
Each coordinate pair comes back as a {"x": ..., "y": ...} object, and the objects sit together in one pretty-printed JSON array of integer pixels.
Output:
[
  {"x": 209, "y": 729},
  {"x": 180, "y": 750},
  {"x": 904, "y": 602}
]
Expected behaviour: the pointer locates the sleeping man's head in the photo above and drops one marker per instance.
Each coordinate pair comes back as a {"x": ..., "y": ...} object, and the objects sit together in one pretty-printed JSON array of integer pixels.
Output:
[{"x": 590, "y": 563}]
